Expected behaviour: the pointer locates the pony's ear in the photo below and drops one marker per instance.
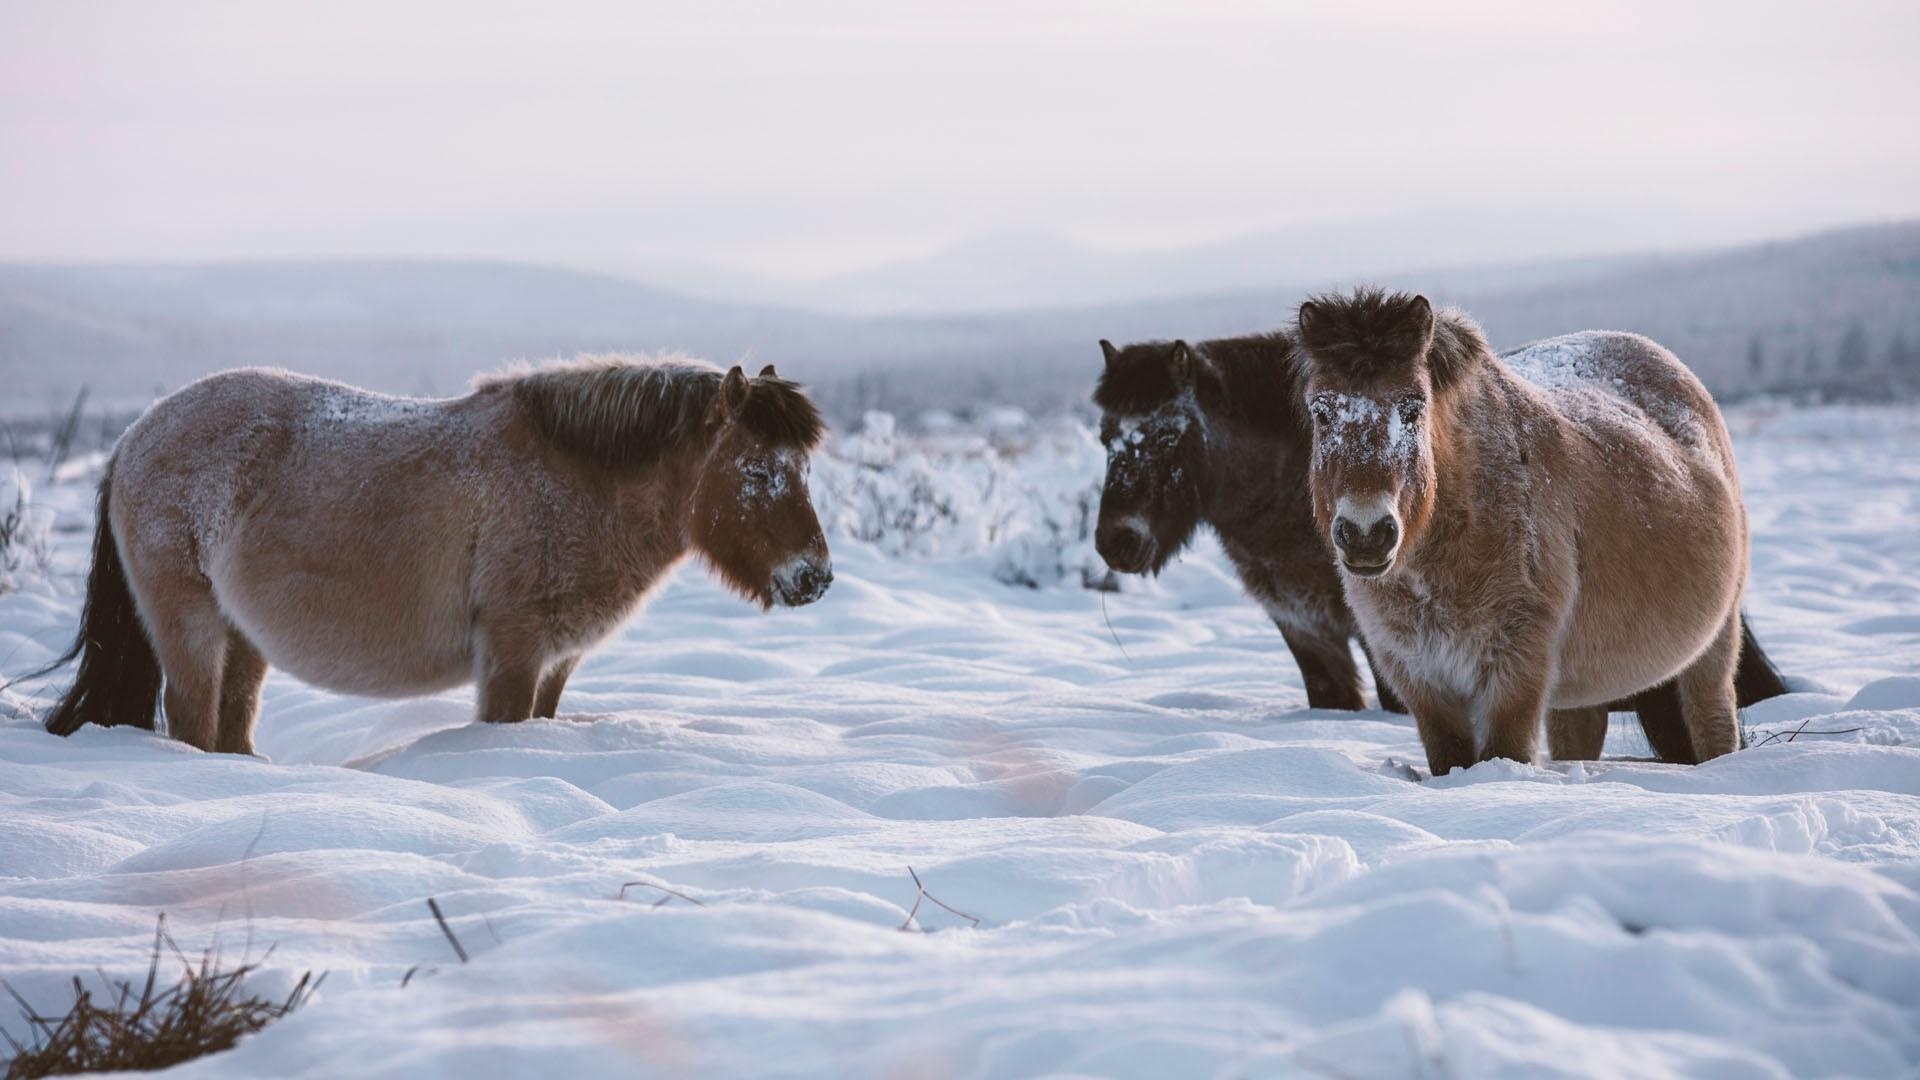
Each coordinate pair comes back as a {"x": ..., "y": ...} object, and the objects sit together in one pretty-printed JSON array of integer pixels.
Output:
[
  {"x": 768, "y": 372},
  {"x": 1420, "y": 319},
  {"x": 733, "y": 391},
  {"x": 1309, "y": 311},
  {"x": 1182, "y": 363},
  {"x": 1107, "y": 350}
]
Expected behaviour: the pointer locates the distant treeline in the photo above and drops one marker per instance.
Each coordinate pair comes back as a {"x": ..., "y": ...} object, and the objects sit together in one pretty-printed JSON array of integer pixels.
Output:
[{"x": 1854, "y": 366}]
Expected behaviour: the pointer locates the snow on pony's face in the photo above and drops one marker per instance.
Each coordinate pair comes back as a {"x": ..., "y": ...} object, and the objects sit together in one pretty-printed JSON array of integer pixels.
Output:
[
  {"x": 1372, "y": 472},
  {"x": 753, "y": 516},
  {"x": 1150, "y": 425}
]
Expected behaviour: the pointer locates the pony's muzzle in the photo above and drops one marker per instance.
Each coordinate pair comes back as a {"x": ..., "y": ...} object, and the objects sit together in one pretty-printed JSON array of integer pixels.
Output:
[
  {"x": 802, "y": 580},
  {"x": 1367, "y": 548},
  {"x": 1125, "y": 546}
]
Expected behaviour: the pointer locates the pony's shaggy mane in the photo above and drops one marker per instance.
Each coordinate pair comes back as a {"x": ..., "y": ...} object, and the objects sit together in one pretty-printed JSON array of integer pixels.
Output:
[
  {"x": 1139, "y": 380},
  {"x": 1373, "y": 334},
  {"x": 1247, "y": 379},
  {"x": 629, "y": 412}
]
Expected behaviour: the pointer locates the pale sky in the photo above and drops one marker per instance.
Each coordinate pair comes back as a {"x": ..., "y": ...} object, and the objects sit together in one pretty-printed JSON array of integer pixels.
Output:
[{"x": 800, "y": 138}]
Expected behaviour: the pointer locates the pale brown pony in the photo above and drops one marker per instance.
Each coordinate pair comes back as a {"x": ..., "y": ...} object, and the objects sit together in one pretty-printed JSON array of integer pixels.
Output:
[
  {"x": 1545, "y": 532},
  {"x": 397, "y": 546}
]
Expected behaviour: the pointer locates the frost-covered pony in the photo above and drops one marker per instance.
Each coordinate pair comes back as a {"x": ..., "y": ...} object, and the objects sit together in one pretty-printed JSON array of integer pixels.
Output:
[
  {"x": 1545, "y": 532},
  {"x": 1201, "y": 435},
  {"x": 395, "y": 546}
]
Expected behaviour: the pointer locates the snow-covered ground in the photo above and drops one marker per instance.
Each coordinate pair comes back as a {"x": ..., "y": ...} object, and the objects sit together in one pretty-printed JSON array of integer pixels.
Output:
[{"x": 1177, "y": 868}]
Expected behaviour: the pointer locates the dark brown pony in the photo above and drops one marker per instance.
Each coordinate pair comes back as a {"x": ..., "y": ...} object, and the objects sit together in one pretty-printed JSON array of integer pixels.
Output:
[
  {"x": 1528, "y": 538},
  {"x": 1217, "y": 434},
  {"x": 397, "y": 546},
  {"x": 1198, "y": 436}
]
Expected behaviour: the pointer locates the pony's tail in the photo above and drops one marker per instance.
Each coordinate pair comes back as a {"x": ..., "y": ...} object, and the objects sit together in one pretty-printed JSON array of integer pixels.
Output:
[
  {"x": 118, "y": 682},
  {"x": 1755, "y": 679}
]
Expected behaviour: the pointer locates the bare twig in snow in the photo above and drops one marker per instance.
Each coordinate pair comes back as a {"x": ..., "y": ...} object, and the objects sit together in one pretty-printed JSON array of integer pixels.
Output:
[
  {"x": 670, "y": 894},
  {"x": 925, "y": 895},
  {"x": 434, "y": 906},
  {"x": 1110, "y": 629},
  {"x": 1788, "y": 736}
]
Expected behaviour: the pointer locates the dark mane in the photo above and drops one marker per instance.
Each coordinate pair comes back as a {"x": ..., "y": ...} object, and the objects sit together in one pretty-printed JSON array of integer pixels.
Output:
[
  {"x": 1371, "y": 334},
  {"x": 1138, "y": 380},
  {"x": 627, "y": 413},
  {"x": 1247, "y": 379}
]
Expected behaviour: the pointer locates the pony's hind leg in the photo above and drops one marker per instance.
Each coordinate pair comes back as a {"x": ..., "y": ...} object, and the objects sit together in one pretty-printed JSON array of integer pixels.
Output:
[
  {"x": 1577, "y": 734},
  {"x": 192, "y": 644},
  {"x": 1707, "y": 694},
  {"x": 546, "y": 703},
  {"x": 245, "y": 670},
  {"x": 1326, "y": 667}
]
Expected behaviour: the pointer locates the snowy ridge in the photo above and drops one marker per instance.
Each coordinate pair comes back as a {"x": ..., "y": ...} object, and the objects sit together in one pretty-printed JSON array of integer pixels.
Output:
[{"x": 1180, "y": 870}]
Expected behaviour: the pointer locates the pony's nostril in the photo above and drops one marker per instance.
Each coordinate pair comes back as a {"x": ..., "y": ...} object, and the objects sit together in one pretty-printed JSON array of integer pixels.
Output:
[
  {"x": 1374, "y": 541},
  {"x": 1119, "y": 545}
]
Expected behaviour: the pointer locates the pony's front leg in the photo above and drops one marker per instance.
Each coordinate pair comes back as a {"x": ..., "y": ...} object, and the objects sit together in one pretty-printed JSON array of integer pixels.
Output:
[
  {"x": 1444, "y": 727},
  {"x": 1513, "y": 719},
  {"x": 508, "y": 684},
  {"x": 1326, "y": 669}
]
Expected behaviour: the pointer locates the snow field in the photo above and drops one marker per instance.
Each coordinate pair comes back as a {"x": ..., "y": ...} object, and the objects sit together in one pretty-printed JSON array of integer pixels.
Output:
[{"x": 1179, "y": 869}]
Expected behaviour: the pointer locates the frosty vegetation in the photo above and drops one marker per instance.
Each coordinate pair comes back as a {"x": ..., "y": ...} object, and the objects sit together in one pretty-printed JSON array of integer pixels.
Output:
[
  {"x": 25, "y": 532},
  {"x": 1022, "y": 493}
]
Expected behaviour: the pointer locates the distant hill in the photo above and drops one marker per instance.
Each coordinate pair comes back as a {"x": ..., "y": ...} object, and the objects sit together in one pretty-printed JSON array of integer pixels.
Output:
[
  {"x": 1033, "y": 271},
  {"x": 1837, "y": 309}
]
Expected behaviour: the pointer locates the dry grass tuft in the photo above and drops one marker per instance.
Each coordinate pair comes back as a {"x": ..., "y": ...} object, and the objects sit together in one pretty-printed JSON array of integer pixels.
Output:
[{"x": 208, "y": 1010}]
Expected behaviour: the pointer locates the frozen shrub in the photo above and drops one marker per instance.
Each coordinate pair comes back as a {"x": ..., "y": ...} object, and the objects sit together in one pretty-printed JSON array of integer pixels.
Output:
[
  {"x": 1023, "y": 492},
  {"x": 25, "y": 533}
]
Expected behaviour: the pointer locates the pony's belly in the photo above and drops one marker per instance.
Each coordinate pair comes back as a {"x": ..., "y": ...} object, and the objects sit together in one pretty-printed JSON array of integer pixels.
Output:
[
  {"x": 367, "y": 675},
  {"x": 376, "y": 665},
  {"x": 354, "y": 637},
  {"x": 1597, "y": 672}
]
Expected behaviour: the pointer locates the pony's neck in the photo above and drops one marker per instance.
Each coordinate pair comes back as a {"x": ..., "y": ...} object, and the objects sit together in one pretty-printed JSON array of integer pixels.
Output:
[
  {"x": 653, "y": 507},
  {"x": 1256, "y": 448},
  {"x": 1245, "y": 478}
]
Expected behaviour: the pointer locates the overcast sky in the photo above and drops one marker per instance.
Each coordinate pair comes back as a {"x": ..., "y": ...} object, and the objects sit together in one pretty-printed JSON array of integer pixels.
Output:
[{"x": 794, "y": 139}]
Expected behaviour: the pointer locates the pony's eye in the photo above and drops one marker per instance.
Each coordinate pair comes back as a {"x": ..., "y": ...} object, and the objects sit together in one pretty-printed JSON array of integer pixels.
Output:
[
  {"x": 1411, "y": 409},
  {"x": 1322, "y": 412}
]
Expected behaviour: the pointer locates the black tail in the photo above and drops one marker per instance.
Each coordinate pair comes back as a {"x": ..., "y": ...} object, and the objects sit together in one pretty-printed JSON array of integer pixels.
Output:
[
  {"x": 1754, "y": 680},
  {"x": 119, "y": 677}
]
